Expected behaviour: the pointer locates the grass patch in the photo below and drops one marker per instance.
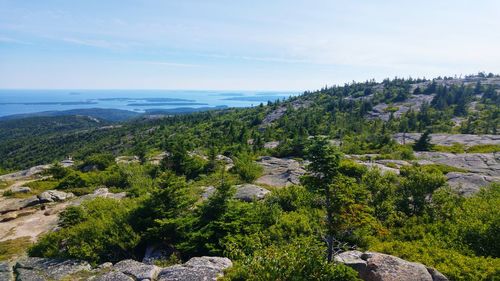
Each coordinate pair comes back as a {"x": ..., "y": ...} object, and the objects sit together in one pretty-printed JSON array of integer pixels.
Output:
[
  {"x": 37, "y": 187},
  {"x": 4, "y": 184},
  {"x": 454, "y": 148},
  {"x": 451, "y": 263},
  {"x": 445, "y": 169},
  {"x": 484, "y": 148},
  {"x": 14, "y": 248}
]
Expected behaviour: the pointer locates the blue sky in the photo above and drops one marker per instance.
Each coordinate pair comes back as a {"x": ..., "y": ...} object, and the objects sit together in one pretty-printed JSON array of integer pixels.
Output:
[{"x": 253, "y": 45}]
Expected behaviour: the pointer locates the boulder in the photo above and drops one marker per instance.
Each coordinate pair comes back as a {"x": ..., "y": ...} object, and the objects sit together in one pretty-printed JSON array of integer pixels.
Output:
[
  {"x": 480, "y": 163},
  {"x": 449, "y": 139},
  {"x": 6, "y": 271},
  {"x": 113, "y": 276},
  {"x": 54, "y": 196},
  {"x": 271, "y": 144},
  {"x": 373, "y": 266},
  {"x": 102, "y": 192},
  {"x": 469, "y": 183},
  {"x": 244, "y": 192},
  {"x": 280, "y": 172},
  {"x": 20, "y": 189},
  {"x": 136, "y": 269},
  {"x": 196, "y": 269},
  {"x": 207, "y": 191},
  {"x": 14, "y": 204},
  {"x": 31, "y": 268},
  {"x": 250, "y": 192}
]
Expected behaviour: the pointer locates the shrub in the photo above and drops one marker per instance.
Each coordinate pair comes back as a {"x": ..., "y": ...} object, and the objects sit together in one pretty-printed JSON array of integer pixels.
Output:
[
  {"x": 103, "y": 234},
  {"x": 246, "y": 168},
  {"x": 451, "y": 263},
  {"x": 100, "y": 161},
  {"x": 74, "y": 179},
  {"x": 484, "y": 148},
  {"x": 303, "y": 259}
]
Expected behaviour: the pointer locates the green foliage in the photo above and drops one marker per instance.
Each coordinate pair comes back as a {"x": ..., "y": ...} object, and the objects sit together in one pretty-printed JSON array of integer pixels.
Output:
[
  {"x": 453, "y": 264},
  {"x": 99, "y": 161},
  {"x": 14, "y": 248},
  {"x": 246, "y": 168},
  {"x": 454, "y": 148},
  {"x": 424, "y": 142},
  {"x": 73, "y": 179},
  {"x": 165, "y": 211},
  {"x": 72, "y": 215},
  {"x": 417, "y": 184},
  {"x": 303, "y": 259},
  {"x": 104, "y": 234},
  {"x": 484, "y": 148},
  {"x": 57, "y": 171}
]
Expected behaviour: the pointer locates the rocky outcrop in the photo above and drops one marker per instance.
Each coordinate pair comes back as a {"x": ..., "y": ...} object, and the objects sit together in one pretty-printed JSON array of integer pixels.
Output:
[
  {"x": 44, "y": 269},
  {"x": 281, "y": 110},
  {"x": 32, "y": 172},
  {"x": 137, "y": 270},
  {"x": 244, "y": 192},
  {"x": 469, "y": 183},
  {"x": 196, "y": 269},
  {"x": 280, "y": 172},
  {"x": 6, "y": 271},
  {"x": 54, "y": 196},
  {"x": 382, "y": 111},
  {"x": 15, "y": 204},
  {"x": 114, "y": 276},
  {"x": 127, "y": 159},
  {"x": 373, "y": 266},
  {"x": 480, "y": 163},
  {"x": 31, "y": 269},
  {"x": 24, "y": 174},
  {"x": 449, "y": 139},
  {"x": 102, "y": 192},
  {"x": 250, "y": 192},
  {"x": 20, "y": 189},
  {"x": 271, "y": 144}
]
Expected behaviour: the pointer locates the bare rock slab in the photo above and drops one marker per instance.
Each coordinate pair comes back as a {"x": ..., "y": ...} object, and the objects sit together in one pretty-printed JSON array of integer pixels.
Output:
[
  {"x": 114, "y": 276},
  {"x": 250, "y": 192},
  {"x": 469, "y": 183},
  {"x": 280, "y": 172},
  {"x": 196, "y": 269},
  {"x": 373, "y": 266},
  {"x": 138, "y": 270},
  {"x": 31, "y": 269}
]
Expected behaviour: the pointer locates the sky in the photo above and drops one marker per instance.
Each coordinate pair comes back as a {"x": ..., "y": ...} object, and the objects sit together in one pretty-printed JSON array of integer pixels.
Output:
[{"x": 244, "y": 45}]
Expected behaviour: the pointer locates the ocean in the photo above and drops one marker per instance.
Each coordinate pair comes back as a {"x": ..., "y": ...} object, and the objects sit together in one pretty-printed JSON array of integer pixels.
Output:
[{"x": 32, "y": 101}]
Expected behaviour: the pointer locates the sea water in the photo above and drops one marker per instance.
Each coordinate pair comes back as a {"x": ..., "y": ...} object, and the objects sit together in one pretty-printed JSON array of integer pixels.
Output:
[{"x": 31, "y": 101}]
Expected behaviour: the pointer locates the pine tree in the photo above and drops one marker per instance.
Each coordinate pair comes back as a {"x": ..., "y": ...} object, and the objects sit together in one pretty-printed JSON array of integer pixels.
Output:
[{"x": 424, "y": 142}]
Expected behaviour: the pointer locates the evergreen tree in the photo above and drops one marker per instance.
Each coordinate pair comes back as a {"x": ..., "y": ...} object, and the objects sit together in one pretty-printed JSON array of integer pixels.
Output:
[{"x": 424, "y": 142}]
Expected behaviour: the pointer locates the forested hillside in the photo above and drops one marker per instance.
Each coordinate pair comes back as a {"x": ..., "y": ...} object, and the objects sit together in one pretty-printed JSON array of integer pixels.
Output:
[{"x": 284, "y": 187}]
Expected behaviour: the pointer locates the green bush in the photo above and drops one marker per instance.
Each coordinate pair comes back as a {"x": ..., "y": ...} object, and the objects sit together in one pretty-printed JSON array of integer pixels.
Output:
[
  {"x": 74, "y": 179},
  {"x": 246, "y": 168},
  {"x": 454, "y": 148},
  {"x": 303, "y": 259},
  {"x": 484, "y": 148},
  {"x": 102, "y": 234},
  {"x": 99, "y": 161},
  {"x": 451, "y": 263}
]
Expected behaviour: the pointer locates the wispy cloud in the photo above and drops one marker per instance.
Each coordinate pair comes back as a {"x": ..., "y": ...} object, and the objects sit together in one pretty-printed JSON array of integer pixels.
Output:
[
  {"x": 166, "y": 63},
  {"x": 13, "y": 41},
  {"x": 98, "y": 43}
]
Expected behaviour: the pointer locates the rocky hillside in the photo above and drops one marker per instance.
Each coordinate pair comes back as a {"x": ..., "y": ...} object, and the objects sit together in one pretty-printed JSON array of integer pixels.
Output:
[{"x": 397, "y": 180}]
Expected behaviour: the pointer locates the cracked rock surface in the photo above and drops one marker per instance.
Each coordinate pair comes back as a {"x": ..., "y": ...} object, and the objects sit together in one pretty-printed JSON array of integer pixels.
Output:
[{"x": 372, "y": 266}]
